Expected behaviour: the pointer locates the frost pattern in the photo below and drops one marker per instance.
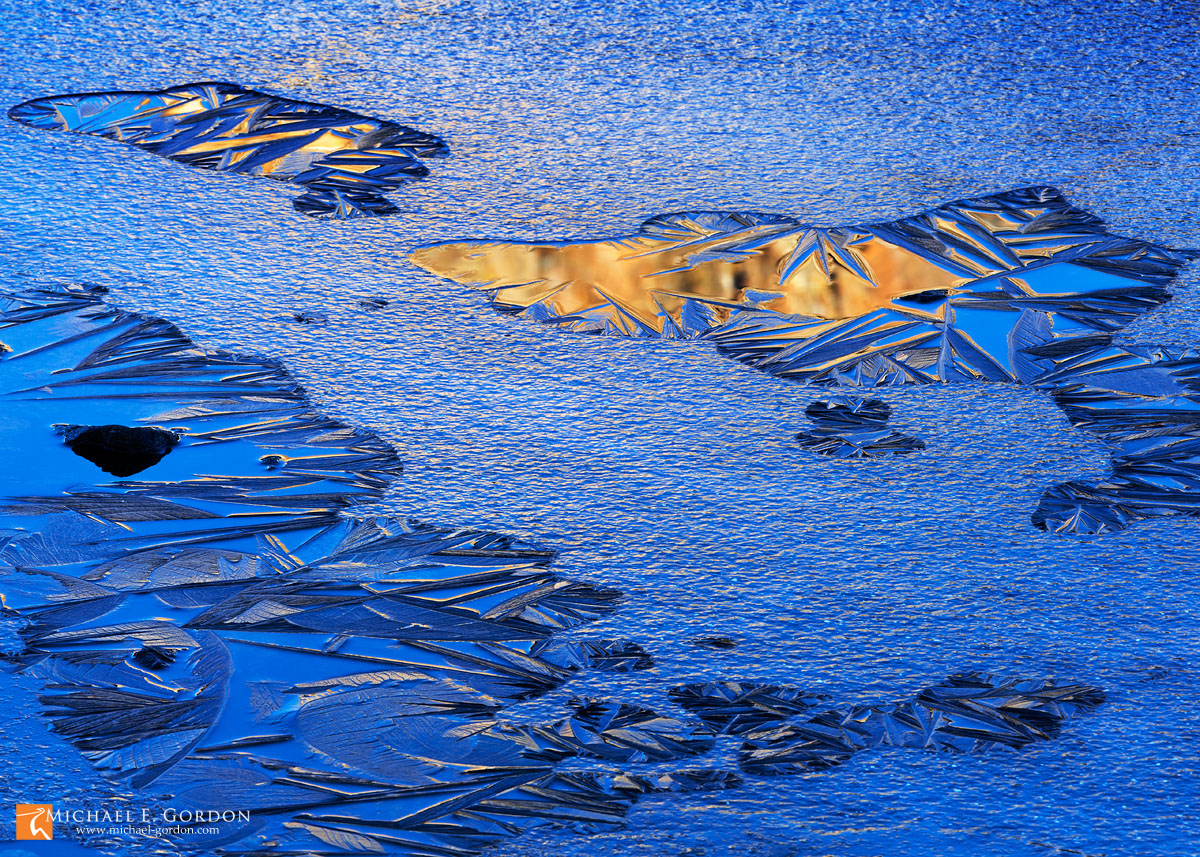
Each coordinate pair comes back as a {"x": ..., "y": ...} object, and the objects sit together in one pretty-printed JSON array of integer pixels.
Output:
[
  {"x": 225, "y": 635},
  {"x": 343, "y": 160}
]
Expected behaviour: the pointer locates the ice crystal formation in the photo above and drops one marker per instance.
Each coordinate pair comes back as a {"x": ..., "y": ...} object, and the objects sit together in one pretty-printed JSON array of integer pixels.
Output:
[
  {"x": 345, "y": 162},
  {"x": 856, "y": 428},
  {"x": 967, "y": 713},
  {"x": 218, "y": 632},
  {"x": 1019, "y": 287}
]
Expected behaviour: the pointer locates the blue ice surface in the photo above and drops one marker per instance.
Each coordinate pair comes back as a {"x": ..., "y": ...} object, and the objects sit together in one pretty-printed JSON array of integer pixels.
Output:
[{"x": 658, "y": 467}]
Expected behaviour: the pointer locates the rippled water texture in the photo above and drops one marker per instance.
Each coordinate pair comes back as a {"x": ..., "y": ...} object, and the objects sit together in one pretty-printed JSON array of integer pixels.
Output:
[{"x": 656, "y": 467}]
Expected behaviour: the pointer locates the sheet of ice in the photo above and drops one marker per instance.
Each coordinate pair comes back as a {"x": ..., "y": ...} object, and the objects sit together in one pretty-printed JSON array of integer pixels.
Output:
[
  {"x": 226, "y": 639},
  {"x": 656, "y": 469}
]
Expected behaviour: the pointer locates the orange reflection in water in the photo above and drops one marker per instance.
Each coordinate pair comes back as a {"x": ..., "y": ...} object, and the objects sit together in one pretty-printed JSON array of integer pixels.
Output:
[{"x": 647, "y": 278}]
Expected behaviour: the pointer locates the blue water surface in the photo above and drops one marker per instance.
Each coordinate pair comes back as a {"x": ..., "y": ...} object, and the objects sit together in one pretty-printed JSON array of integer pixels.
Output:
[{"x": 658, "y": 467}]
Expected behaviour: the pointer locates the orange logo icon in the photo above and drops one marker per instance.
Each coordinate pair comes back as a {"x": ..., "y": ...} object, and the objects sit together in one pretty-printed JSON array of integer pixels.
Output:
[{"x": 35, "y": 821}]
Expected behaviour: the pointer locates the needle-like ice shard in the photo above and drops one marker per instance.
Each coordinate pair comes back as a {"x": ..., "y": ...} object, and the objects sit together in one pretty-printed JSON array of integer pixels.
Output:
[
  {"x": 735, "y": 707},
  {"x": 223, "y": 634}
]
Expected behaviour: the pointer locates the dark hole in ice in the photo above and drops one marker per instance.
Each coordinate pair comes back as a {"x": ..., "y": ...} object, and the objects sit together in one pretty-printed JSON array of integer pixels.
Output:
[
  {"x": 342, "y": 677},
  {"x": 119, "y": 450}
]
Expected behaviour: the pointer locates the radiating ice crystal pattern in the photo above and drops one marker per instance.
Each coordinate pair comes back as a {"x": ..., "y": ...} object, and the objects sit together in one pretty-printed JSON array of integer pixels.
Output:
[
  {"x": 614, "y": 732},
  {"x": 856, "y": 428},
  {"x": 345, "y": 161},
  {"x": 833, "y": 299},
  {"x": 968, "y": 713},
  {"x": 342, "y": 687},
  {"x": 249, "y": 455},
  {"x": 734, "y": 707},
  {"x": 1019, "y": 287}
]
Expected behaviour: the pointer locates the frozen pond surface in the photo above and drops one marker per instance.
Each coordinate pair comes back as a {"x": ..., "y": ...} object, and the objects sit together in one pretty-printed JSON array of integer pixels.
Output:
[{"x": 655, "y": 467}]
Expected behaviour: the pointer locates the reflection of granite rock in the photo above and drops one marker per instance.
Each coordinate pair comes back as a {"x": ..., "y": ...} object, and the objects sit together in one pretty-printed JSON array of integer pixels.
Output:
[
  {"x": 944, "y": 295},
  {"x": 345, "y": 161},
  {"x": 1018, "y": 287},
  {"x": 854, "y": 428},
  {"x": 120, "y": 450}
]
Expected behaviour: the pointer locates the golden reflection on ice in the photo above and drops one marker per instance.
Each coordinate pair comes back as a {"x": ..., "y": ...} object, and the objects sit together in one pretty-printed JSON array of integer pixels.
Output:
[{"x": 648, "y": 278}]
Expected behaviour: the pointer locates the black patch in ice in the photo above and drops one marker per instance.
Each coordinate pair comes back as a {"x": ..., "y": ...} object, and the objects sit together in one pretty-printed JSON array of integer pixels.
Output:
[
  {"x": 154, "y": 658},
  {"x": 310, "y": 317},
  {"x": 232, "y": 639},
  {"x": 317, "y": 671},
  {"x": 119, "y": 450}
]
